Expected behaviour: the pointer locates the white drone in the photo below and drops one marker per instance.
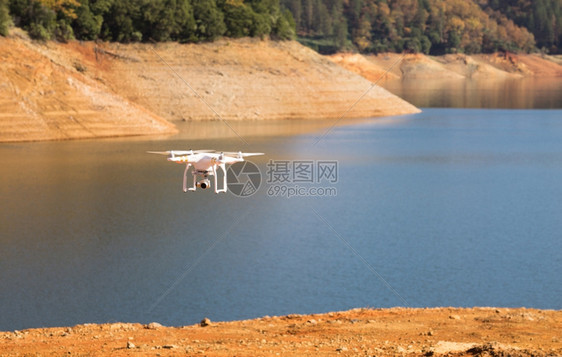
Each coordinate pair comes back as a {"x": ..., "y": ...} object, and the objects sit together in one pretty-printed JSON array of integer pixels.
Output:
[{"x": 204, "y": 164}]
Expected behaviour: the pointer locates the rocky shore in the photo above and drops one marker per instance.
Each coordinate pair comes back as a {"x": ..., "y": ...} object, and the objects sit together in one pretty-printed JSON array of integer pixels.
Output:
[{"x": 477, "y": 331}]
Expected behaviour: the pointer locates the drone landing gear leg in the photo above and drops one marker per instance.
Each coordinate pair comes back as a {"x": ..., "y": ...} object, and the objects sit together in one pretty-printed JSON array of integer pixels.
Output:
[
  {"x": 223, "y": 189},
  {"x": 224, "y": 185},
  {"x": 194, "y": 187},
  {"x": 185, "y": 189}
]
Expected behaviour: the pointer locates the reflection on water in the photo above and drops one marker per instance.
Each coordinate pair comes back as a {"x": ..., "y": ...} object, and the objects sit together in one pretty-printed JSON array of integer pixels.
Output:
[
  {"x": 253, "y": 128},
  {"x": 528, "y": 93}
]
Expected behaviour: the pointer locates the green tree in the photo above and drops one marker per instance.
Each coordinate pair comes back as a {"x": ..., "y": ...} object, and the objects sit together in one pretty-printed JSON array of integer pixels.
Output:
[
  {"x": 339, "y": 32},
  {"x": 87, "y": 25},
  {"x": 209, "y": 20},
  {"x": 5, "y": 20},
  {"x": 284, "y": 27},
  {"x": 42, "y": 22},
  {"x": 543, "y": 18},
  {"x": 238, "y": 18},
  {"x": 118, "y": 22},
  {"x": 164, "y": 20},
  {"x": 185, "y": 22}
]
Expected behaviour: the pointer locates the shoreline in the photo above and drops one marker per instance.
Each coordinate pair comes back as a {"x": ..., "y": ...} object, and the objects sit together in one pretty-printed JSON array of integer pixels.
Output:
[
  {"x": 443, "y": 331},
  {"x": 453, "y": 67},
  {"x": 86, "y": 90}
]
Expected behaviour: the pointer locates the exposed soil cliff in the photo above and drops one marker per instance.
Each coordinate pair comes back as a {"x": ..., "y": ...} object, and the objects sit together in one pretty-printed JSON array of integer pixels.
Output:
[
  {"x": 42, "y": 98},
  {"x": 51, "y": 91},
  {"x": 452, "y": 66}
]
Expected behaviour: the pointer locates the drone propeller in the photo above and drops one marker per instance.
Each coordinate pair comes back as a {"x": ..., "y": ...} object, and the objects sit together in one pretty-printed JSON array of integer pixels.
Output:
[
  {"x": 180, "y": 152},
  {"x": 159, "y": 152},
  {"x": 242, "y": 154}
]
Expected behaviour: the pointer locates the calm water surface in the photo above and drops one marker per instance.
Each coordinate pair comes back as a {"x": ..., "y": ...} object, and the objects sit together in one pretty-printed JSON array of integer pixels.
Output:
[
  {"x": 450, "y": 207},
  {"x": 527, "y": 93}
]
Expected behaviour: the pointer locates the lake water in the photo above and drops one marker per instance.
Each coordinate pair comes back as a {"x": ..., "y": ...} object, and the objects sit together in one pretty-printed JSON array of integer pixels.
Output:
[
  {"x": 450, "y": 207},
  {"x": 527, "y": 93}
]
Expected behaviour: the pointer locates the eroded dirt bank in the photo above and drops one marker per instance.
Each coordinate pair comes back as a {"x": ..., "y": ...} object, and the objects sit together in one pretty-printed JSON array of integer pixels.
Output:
[
  {"x": 52, "y": 91},
  {"x": 495, "y": 66},
  {"x": 359, "y": 332},
  {"x": 43, "y": 98}
]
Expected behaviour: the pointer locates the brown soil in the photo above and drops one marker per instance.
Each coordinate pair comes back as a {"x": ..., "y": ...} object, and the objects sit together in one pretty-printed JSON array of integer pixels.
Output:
[
  {"x": 42, "y": 98},
  {"x": 82, "y": 90},
  {"x": 361, "y": 65},
  {"x": 532, "y": 65},
  {"x": 359, "y": 332},
  {"x": 475, "y": 67},
  {"x": 244, "y": 79},
  {"x": 452, "y": 66},
  {"x": 413, "y": 66}
]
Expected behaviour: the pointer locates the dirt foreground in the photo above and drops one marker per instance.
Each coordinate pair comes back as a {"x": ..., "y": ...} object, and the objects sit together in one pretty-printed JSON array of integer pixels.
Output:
[{"x": 358, "y": 332}]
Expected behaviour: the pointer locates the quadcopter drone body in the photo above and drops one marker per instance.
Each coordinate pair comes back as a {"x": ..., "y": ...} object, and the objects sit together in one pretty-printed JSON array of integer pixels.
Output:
[{"x": 204, "y": 163}]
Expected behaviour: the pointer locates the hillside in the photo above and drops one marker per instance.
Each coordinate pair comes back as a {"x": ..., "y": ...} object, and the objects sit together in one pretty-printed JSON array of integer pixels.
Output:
[
  {"x": 59, "y": 91},
  {"x": 360, "y": 332},
  {"x": 41, "y": 99},
  {"x": 424, "y": 26}
]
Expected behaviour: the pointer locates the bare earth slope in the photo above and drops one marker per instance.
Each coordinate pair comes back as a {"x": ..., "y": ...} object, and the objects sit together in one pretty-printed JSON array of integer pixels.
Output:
[
  {"x": 244, "y": 79},
  {"x": 84, "y": 90},
  {"x": 359, "y": 332},
  {"x": 44, "y": 99},
  {"x": 361, "y": 65},
  {"x": 452, "y": 66}
]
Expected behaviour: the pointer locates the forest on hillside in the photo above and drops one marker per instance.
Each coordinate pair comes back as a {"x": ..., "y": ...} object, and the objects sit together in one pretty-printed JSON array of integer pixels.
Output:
[
  {"x": 147, "y": 20},
  {"x": 367, "y": 26},
  {"x": 429, "y": 26}
]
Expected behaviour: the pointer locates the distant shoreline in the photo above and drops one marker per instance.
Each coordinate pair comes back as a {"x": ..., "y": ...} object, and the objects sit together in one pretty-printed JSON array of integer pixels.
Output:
[
  {"x": 495, "y": 66},
  {"x": 84, "y": 90}
]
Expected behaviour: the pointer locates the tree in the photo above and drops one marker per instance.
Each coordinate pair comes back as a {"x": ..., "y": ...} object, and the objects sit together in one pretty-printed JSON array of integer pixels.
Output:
[
  {"x": 284, "y": 27},
  {"x": 65, "y": 7},
  {"x": 185, "y": 22},
  {"x": 87, "y": 25},
  {"x": 42, "y": 22},
  {"x": 543, "y": 18},
  {"x": 238, "y": 18},
  {"x": 209, "y": 20},
  {"x": 429, "y": 26},
  {"x": 5, "y": 20},
  {"x": 118, "y": 22}
]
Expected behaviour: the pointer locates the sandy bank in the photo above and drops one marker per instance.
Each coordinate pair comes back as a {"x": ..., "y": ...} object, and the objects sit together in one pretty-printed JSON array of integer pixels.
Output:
[
  {"x": 452, "y": 66},
  {"x": 42, "y": 98},
  {"x": 381, "y": 332},
  {"x": 244, "y": 79},
  {"x": 58, "y": 91}
]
